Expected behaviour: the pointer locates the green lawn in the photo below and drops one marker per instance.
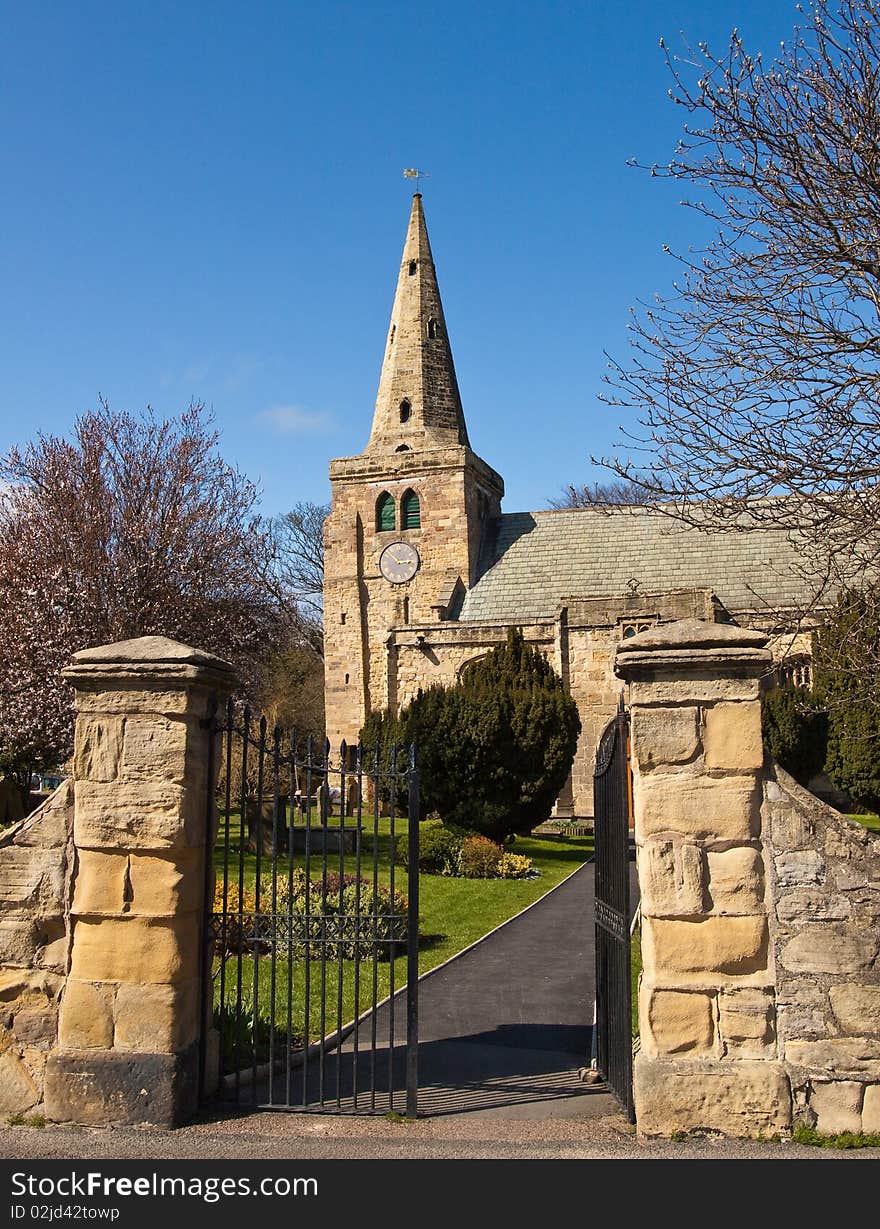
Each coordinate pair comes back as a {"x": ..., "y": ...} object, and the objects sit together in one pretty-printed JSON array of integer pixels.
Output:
[
  {"x": 453, "y": 913},
  {"x": 869, "y": 821}
]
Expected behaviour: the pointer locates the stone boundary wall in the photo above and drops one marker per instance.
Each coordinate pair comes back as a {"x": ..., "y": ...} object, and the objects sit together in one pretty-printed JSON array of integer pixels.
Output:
[
  {"x": 102, "y": 896},
  {"x": 759, "y": 1001},
  {"x": 37, "y": 863},
  {"x": 825, "y": 930}
]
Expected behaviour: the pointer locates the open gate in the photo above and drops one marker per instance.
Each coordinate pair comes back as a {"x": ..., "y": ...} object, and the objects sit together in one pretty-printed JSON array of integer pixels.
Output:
[
  {"x": 612, "y": 806},
  {"x": 312, "y": 929}
]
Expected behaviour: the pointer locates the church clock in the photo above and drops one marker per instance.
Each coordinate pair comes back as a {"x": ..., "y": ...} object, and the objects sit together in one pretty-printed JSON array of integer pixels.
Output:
[{"x": 399, "y": 562}]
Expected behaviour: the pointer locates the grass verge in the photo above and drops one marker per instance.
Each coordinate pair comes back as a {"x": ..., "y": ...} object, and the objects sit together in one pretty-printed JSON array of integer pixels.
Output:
[{"x": 802, "y": 1134}]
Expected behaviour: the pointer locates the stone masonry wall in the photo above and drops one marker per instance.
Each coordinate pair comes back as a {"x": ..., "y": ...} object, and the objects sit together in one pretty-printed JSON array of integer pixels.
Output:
[
  {"x": 825, "y": 930},
  {"x": 759, "y": 1001},
  {"x": 102, "y": 896},
  {"x": 709, "y": 1058},
  {"x": 36, "y": 871}
]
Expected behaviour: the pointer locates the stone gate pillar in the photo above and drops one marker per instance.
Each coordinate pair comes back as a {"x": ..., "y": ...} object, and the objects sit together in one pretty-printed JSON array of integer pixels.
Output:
[
  {"x": 131, "y": 1014},
  {"x": 708, "y": 1054}
]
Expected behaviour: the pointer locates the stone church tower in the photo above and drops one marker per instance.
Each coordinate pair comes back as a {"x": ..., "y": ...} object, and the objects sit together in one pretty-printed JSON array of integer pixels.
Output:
[{"x": 409, "y": 515}]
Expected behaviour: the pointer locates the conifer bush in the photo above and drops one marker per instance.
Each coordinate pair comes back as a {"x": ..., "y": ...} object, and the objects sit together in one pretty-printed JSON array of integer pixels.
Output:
[
  {"x": 851, "y": 635},
  {"x": 795, "y": 731},
  {"x": 495, "y": 748}
]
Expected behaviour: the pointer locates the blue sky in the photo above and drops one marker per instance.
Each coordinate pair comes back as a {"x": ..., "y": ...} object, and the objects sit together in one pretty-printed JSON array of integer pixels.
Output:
[{"x": 206, "y": 201}]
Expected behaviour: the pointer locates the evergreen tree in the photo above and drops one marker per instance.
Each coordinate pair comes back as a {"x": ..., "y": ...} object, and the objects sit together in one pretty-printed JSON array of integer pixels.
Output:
[
  {"x": 495, "y": 748},
  {"x": 795, "y": 732},
  {"x": 853, "y": 754}
]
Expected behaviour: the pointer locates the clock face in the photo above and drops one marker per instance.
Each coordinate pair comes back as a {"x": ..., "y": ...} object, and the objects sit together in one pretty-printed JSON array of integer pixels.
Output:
[{"x": 399, "y": 562}]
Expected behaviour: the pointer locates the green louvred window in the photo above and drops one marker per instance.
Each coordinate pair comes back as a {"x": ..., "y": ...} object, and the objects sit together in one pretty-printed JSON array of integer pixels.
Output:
[
  {"x": 410, "y": 513},
  {"x": 385, "y": 511}
]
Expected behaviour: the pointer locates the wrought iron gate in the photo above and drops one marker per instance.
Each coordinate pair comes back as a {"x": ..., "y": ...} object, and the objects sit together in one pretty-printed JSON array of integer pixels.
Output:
[
  {"x": 309, "y": 936},
  {"x": 612, "y": 794}
]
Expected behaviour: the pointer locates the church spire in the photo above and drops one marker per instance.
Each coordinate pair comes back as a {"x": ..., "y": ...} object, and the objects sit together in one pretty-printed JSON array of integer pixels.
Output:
[{"x": 418, "y": 405}]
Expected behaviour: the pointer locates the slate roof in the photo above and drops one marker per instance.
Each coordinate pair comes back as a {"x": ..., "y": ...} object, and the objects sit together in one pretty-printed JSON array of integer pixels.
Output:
[{"x": 539, "y": 558}]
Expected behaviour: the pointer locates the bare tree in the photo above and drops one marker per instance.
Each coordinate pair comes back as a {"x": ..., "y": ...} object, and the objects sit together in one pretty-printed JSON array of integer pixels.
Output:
[
  {"x": 134, "y": 525},
  {"x": 755, "y": 384},
  {"x": 295, "y": 576},
  {"x": 620, "y": 493}
]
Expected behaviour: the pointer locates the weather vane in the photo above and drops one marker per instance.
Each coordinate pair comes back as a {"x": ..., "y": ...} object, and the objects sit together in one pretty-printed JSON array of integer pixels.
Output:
[{"x": 412, "y": 173}]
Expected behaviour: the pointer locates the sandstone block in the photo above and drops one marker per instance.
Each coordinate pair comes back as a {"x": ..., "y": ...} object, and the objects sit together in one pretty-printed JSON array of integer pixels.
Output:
[
  {"x": 828, "y": 948},
  {"x": 696, "y": 688},
  {"x": 843, "y": 1055},
  {"x": 18, "y": 1089},
  {"x": 26, "y": 983},
  {"x": 101, "y": 882},
  {"x": 664, "y": 736},
  {"x": 110, "y": 884},
  {"x": 871, "y": 1110},
  {"x": 856, "y": 1007},
  {"x": 700, "y": 808},
  {"x": 747, "y": 1019},
  {"x": 698, "y": 951},
  {"x": 31, "y": 877},
  {"x": 156, "y": 1019},
  {"x": 113, "y": 1088},
  {"x": 136, "y": 949},
  {"x": 86, "y": 1020},
  {"x": 144, "y": 701},
  {"x": 155, "y": 748},
  {"x": 678, "y": 1022},
  {"x": 19, "y": 940},
  {"x": 811, "y": 904},
  {"x": 36, "y": 1024},
  {"x": 798, "y": 868},
  {"x": 53, "y": 955},
  {"x": 166, "y": 885},
  {"x": 736, "y": 880},
  {"x": 740, "y": 1099},
  {"x": 837, "y": 1106},
  {"x": 789, "y": 828},
  {"x": 732, "y": 737},
  {"x": 670, "y": 879},
  {"x": 98, "y": 748},
  {"x": 137, "y": 815}
]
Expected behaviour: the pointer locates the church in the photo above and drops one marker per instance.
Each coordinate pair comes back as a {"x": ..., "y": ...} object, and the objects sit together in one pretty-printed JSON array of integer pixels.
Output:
[{"x": 424, "y": 572}]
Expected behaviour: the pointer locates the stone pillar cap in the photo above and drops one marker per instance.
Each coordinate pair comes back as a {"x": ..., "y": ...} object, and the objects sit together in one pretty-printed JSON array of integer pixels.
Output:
[
  {"x": 149, "y": 659},
  {"x": 694, "y": 644}
]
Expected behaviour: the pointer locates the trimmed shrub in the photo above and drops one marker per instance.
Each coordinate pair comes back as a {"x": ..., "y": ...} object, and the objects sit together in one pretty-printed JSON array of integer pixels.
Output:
[
  {"x": 514, "y": 866},
  {"x": 479, "y": 858},
  {"x": 438, "y": 850}
]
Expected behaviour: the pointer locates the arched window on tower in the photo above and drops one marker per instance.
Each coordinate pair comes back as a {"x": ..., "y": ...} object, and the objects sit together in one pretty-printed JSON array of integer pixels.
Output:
[
  {"x": 405, "y": 408},
  {"x": 410, "y": 512},
  {"x": 432, "y": 329},
  {"x": 413, "y": 265},
  {"x": 385, "y": 512}
]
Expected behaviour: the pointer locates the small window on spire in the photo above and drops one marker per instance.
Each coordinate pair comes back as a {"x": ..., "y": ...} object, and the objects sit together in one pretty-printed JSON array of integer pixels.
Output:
[
  {"x": 402, "y": 448},
  {"x": 405, "y": 410},
  {"x": 391, "y": 335},
  {"x": 432, "y": 329},
  {"x": 413, "y": 265}
]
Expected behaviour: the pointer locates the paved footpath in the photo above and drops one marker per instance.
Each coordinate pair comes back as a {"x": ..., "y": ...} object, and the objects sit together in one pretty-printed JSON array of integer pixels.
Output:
[{"x": 504, "y": 1028}]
